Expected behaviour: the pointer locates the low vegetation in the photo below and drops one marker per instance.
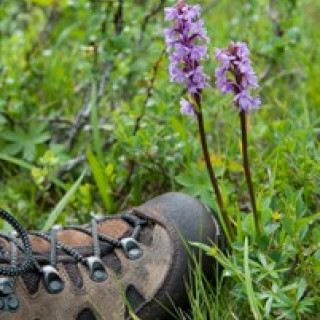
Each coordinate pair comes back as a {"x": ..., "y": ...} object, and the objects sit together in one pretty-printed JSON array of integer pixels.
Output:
[{"x": 89, "y": 122}]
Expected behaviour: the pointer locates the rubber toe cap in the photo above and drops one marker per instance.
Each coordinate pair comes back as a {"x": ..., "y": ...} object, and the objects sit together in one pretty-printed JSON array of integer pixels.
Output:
[{"x": 186, "y": 220}]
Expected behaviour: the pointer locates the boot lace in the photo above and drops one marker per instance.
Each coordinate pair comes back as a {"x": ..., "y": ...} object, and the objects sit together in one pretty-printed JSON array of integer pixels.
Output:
[{"x": 19, "y": 240}]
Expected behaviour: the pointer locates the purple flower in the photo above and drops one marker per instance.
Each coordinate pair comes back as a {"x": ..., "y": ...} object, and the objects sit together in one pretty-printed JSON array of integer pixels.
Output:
[
  {"x": 235, "y": 75},
  {"x": 186, "y": 44},
  {"x": 196, "y": 80},
  {"x": 245, "y": 101},
  {"x": 187, "y": 108},
  {"x": 171, "y": 13}
]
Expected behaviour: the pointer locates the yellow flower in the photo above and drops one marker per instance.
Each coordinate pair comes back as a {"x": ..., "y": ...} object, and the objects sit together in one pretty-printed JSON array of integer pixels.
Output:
[
  {"x": 276, "y": 216},
  {"x": 213, "y": 251}
]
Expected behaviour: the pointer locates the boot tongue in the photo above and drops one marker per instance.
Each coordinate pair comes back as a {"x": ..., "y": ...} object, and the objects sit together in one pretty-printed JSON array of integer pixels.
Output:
[
  {"x": 115, "y": 228},
  {"x": 112, "y": 228}
]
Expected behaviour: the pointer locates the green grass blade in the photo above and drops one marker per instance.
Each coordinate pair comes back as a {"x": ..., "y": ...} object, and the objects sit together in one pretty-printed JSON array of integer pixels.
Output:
[
  {"x": 16, "y": 161},
  {"x": 54, "y": 215},
  {"x": 101, "y": 180},
  {"x": 239, "y": 227},
  {"x": 95, "y": 124},
  {"x": 254, "y": 305}
]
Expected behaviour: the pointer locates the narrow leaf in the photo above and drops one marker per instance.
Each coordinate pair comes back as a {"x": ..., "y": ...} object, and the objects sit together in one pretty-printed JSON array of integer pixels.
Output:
[
  {"x": 54, "y": 215},
  {"x": 101, "y": 180},
  {"x": 95, "y": 124},
  {"x": 248, "y": 284}
]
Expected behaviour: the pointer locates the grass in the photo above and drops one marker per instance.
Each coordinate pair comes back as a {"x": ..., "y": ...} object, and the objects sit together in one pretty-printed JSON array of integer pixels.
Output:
[{"x": 97, "y": 82}]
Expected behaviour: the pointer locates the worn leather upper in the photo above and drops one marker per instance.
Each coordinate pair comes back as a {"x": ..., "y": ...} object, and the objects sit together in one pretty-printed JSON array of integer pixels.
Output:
[{"x": 146, "y": 284}]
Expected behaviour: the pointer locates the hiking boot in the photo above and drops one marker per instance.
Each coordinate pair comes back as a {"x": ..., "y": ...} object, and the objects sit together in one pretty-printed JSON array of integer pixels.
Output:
[{"x": 136, "y": 262}]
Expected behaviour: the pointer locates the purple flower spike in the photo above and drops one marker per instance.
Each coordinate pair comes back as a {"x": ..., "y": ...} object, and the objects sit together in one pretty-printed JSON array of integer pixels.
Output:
[
  {"x": 235, "y": 61},
  {"x": 187, "y": 108},
  {"x": 186, "y": 44}
]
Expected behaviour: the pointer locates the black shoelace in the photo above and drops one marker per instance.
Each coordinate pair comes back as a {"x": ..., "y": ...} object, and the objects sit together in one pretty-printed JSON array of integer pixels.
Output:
[{"x": 19, "y": 240}]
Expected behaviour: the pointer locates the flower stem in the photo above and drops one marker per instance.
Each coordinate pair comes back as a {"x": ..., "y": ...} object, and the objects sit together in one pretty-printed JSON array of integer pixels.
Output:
[
  {"x": 246, "y": 167},
  {"x": 212, "y": 176}
]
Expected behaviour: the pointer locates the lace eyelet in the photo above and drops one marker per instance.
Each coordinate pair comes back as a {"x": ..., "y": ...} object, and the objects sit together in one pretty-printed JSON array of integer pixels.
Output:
[
  {"x": 12, "y": 303},
  {"x": 52, "y": 280},
  {"x": 96, "y": 268},
  {"x": 8, "y": 300},
  {"x": 5, "y": 287},
  {"x": 98, "y": 217},
  {"x": 131, "y": 248}
]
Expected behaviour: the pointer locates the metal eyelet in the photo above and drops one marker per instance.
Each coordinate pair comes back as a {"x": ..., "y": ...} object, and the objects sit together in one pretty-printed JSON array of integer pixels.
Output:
[
  {"x": 131, "y": 248},
  {"x": 96, "y": 268},
  {"x": 8, "y": 300},
  {"x": 52, "y": 279},
  {"x": 98, "y": 217},
  {"x": 5, "y": 287},
  {"x": 57, "y": 227}
]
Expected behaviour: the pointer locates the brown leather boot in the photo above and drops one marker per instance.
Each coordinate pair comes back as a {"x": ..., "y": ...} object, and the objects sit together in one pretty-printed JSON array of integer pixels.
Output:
[{"x": 135, "y": 261}]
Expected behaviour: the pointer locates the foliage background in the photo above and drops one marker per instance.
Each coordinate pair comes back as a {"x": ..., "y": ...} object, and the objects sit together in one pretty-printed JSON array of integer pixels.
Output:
[{"x": 84, "y": 85}]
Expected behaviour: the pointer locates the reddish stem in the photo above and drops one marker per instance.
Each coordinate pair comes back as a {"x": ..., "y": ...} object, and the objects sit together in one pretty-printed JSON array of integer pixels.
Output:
[
  {"x": 246, "y": 166},
  {"x": 212, "y": 176}
]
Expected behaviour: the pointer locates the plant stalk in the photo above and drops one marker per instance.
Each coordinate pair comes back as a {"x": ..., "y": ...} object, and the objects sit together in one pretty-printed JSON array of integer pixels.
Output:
[
  {"x": 246, "y": 166},
  {"x": 212, "y": 176}
]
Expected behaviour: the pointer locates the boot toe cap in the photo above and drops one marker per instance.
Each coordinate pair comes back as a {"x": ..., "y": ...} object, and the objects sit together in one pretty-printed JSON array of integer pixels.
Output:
[
  {"x": 186, "y": 220},
  {"x": 192, "y": 220}
]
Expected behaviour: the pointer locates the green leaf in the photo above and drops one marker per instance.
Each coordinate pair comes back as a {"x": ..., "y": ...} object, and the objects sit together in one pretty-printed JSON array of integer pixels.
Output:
[
  {"x": 95, "y": 124},
  {"x": 254, "y": 305},
  {"x": 16, "y": 161},
  {"x": 47, "y": 3},
  {"x": 56, "y": 212},
  {"x": 302, "y": 286},
  {"x": 300, "y": 223},
  {"x": 28, "y": 166},
  {"x": 195, "y": 181},
  {"x": 101, "y": 180},
  {"x": 25, "y": 142}
]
